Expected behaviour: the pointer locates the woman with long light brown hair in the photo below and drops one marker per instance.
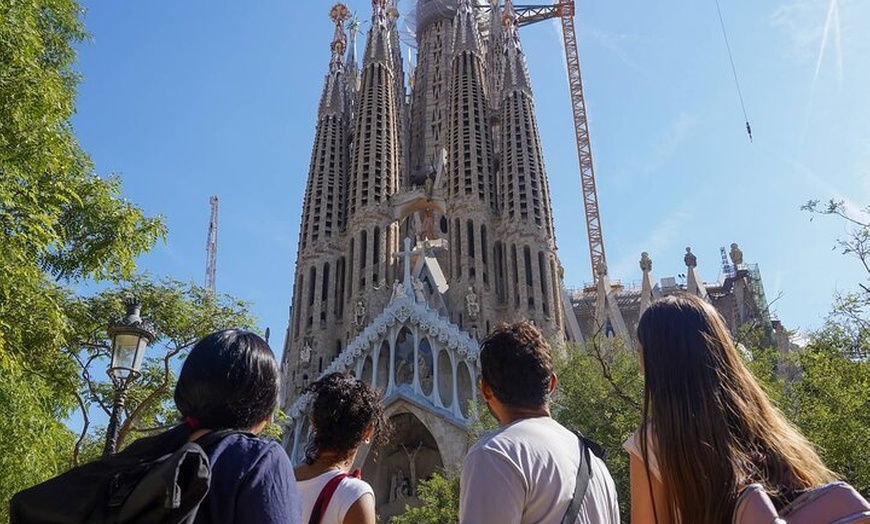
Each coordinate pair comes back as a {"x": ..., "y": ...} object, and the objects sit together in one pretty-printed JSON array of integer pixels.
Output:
[{"x": 708, "y": 428}]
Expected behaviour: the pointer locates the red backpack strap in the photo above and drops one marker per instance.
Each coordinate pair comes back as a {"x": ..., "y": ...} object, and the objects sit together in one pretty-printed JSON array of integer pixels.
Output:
[{"x": 326, "y": 495}]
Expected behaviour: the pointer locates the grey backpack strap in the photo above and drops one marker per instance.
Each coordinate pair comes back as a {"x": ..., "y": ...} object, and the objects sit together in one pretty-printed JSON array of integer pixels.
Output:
[{"x": 584, "y": 473}]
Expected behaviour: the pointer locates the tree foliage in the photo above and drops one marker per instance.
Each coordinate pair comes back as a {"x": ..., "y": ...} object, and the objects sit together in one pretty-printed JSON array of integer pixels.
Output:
[
  {"x": 851, "y": 313},
  {"x": 600, "y": 393},
  {"x": 181, "y": 313},
  {"x": 439, "y": 497},
  {"x": 60, "y": 223},
  {"x": 63, "y": 226}
]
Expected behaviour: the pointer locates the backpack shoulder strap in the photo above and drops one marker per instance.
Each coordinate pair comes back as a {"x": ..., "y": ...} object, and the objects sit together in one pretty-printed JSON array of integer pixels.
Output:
[
  {"x": 326, "y": 495},
  {"x": 584, "y": 473}
]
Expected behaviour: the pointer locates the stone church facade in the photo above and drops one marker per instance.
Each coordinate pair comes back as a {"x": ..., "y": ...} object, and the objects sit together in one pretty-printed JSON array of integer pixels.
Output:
[{"x": 426, "y": 221}]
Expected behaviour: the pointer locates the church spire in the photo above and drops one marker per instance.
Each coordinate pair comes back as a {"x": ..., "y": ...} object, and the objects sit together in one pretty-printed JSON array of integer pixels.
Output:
[
  {"x": 470, "y": 184},
  {"x": 352, "y": 69},
  {"x": 494, "y": 54},
  {"x": 322, "y": 217},
  {"x": 468, "y": 134},
  {"x": 375, "y": 162},
  {"x": 334, "y": 99},
  {"x": 515, "y": 74},
  {"x": 375, "y": 170},
  {"x": 524, "y": 193}
]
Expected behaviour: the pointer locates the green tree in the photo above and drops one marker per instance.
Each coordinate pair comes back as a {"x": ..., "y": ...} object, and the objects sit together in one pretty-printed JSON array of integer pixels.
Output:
[
  {"x": 600, "y": 393},
  {"x": 60, "y": 223},
  {"x": 830, "y": 402},
  {"x": 182, "y": 313},
  {"x": 439, "y": 497},
  {"x": 851, "y": 313},
  {"x": 824, "y": 386},
  {"x": 63, "y": 226}
]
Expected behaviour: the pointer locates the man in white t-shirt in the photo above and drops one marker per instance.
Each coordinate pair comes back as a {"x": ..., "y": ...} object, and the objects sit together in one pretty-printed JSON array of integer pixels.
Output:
[{"x": 525, "y": 472}]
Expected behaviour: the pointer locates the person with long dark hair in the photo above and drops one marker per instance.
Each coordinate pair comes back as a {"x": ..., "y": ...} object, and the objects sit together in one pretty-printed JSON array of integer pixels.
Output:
[
  {"x": 708, "y": 428},
  {"x": 345, "y": 413},
  {"x": 229, "y": 381}
]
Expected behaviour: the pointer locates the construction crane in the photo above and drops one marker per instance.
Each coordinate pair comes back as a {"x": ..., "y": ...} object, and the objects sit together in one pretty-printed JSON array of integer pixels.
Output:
[
  {"x": 564, "y": 11},
  {"x": 211, "y": 246}
]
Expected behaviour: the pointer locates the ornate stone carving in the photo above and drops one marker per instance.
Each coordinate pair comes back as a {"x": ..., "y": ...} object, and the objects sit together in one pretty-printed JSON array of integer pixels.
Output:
[
  {"x": 472, "y": 306},
  {"x": 645, "y": 262},
  {"x": 736, "y": 255},
  {"x": 419, "y": 295},
  {"x": 690, "y": 259},
  {"x": 359, "y": 313},
  {"x": 305, "y": 353}
]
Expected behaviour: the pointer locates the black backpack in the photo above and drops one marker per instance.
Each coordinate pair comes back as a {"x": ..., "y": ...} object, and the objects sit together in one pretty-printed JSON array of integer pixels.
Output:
[{"x": 141, "y": 484}]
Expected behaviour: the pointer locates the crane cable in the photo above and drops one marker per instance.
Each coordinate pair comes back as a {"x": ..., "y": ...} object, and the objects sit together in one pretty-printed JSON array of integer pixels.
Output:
[{"x": 734, "y": 71}]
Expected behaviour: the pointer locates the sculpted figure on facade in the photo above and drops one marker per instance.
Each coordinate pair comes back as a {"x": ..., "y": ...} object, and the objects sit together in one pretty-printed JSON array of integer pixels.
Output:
[
  {"x": 736, "y": 255},
  {"x": 690, "y": 259},
  {"x": 359, "y": 313},
  {"x": 399, "y": 486},
  {"x": 398, "y": 289},
  {"x": 472, "y": 306},
  {"x": 419, "y": 295},
  {"x": 645, "y": 262},
  {"x": 411, "y": 488},
  {"x": 305, "y": 353}
]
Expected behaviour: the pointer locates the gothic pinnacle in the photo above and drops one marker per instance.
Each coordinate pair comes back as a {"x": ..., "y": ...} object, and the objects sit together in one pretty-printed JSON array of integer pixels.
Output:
[{"x": 338, "y": 14}]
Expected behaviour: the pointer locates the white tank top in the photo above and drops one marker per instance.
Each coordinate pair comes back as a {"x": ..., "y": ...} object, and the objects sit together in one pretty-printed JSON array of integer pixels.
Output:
[{"x": 349, "y": 491}]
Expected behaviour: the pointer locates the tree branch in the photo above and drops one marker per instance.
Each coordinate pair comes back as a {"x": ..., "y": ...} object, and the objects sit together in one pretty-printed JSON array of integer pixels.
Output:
[
  {"x": 151, "y": 398},
  {"x": 85, "y": 425},
  {"x": 605, "y": 371}
]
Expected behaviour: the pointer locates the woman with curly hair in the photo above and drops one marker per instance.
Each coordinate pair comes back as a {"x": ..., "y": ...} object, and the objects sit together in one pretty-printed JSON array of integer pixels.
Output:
[
  {"x": 345, "y": 413},
  {"x": 708, "y": 430}
]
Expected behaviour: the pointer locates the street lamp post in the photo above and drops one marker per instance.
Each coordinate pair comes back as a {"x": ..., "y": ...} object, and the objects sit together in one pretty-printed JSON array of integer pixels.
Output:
[{"x": 130, "y": 337}]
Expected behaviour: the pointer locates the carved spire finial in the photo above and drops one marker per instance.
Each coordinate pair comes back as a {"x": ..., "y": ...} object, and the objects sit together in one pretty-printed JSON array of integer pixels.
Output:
[{"x": 338, "y": 14}]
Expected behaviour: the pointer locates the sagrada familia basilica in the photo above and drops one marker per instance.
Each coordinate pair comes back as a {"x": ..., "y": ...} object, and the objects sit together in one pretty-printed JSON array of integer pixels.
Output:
[{"x": 427, "y": 220}]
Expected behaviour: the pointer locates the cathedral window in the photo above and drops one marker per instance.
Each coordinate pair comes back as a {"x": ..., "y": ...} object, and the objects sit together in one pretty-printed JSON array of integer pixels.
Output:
[
  {"x": 542, "y": 272},
  {"x": 312, "y": 282},
  {"x": 516, "y": 275},
  {"x": 376, "y": 252},
  {"x": 324, "y": 288}
]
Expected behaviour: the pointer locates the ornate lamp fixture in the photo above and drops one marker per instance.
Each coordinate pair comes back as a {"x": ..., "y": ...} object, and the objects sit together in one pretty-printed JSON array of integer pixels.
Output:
[{"x": 130, "y": 337}]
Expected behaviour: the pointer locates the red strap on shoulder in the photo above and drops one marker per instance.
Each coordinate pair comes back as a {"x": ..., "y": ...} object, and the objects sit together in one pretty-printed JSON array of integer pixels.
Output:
[{"x": 326, "y": 495}]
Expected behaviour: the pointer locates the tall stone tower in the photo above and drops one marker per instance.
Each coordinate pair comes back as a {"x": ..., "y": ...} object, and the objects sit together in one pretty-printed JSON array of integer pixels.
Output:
[
  {"x": 455, "y": 165},
  {"x": 426, "y": 221}
]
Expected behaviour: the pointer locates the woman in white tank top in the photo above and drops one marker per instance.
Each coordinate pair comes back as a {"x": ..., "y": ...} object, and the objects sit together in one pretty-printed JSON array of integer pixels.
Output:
[{"x": 345, "y": 412}]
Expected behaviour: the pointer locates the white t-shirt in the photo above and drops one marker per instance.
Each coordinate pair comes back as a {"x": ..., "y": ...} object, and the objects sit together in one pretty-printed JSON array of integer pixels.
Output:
[
  {"x": 525, "y": 472},
  {"x": 349, "y": 491}
]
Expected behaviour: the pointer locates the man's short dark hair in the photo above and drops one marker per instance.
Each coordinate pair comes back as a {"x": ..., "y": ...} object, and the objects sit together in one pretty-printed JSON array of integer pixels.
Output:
[{"x": 515, "y": 362}]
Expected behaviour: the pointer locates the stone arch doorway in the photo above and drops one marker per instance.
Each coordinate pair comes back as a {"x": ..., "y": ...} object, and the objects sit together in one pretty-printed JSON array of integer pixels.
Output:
[{"x": 394, "y": 473}]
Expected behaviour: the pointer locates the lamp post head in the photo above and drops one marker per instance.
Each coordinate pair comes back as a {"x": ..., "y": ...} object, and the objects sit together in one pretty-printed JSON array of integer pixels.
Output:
[{"x": 130, "y": 337}]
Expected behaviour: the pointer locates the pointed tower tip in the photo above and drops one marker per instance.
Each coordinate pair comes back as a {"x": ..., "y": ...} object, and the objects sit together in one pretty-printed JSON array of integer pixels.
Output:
[
  {"x": 379, "y": 13},
  {"x": 339, "y": 13},
  {"x": 509, "y": 20}
]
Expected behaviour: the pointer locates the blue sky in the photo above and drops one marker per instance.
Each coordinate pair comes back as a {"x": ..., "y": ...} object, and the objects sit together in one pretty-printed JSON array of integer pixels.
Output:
[{"x": 190, "y": 99}]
